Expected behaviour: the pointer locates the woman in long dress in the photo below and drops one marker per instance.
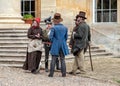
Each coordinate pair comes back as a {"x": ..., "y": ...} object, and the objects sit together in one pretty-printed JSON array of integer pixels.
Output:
[{"x": 34, "y": 49}]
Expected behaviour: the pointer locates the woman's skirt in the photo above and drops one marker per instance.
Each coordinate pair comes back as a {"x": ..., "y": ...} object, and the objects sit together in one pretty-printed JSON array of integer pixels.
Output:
[{"x": 33, "y": 56}]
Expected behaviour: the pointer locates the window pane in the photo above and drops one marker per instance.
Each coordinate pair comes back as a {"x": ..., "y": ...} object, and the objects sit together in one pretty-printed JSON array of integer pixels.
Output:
[
  {"x": 99, "y": 17},
  {"x": 106, "y": 10},
  {"x": 21, "y": 6},
  {"x": 106, "y": 16},
  {"x": 113, "y": 15},
  {"x": 27, "y": 5},
  {"x": 32, "y": 6},
  {"x": 33, "y": 13},
  {"x": 113, "y": 4},
  {"x": 105, "y": 4},
  {"x": 22, "y": 14},
  {"x": 98, "y": 4}
]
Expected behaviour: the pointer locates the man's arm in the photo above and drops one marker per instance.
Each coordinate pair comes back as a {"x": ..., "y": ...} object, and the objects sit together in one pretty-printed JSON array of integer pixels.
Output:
[{"x": 51, "y": 36}]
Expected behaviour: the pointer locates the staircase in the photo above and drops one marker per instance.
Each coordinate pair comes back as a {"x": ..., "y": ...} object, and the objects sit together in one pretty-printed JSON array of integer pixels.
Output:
[{"x": 13, "y": 46}]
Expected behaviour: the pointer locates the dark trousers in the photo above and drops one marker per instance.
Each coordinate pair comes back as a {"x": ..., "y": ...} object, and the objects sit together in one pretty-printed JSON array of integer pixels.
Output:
[
  {"x": 47, "y": 49},
  {"x": 62, "y": 60}
]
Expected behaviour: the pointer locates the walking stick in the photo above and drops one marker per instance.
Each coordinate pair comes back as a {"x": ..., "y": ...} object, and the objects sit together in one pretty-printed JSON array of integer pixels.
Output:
[{"x": 90, "y": 57}]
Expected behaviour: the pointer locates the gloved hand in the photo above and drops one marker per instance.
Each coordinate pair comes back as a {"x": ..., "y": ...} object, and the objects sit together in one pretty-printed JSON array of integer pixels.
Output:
[{"x": 73, "y": 34}]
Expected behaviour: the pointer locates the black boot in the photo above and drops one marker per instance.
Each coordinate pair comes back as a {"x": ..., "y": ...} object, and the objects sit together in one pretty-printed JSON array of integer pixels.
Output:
[
  {"x": 57, "y": 64},
  {"x": 50, "y": 75},
  {"x": 33, "y": 71},
  {"x": 46, "y": 66}
]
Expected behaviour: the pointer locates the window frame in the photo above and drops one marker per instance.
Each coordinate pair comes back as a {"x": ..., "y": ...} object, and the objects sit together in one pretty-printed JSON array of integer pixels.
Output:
[
  {"x": 95, "y": 10},
  {"x": 30, "y": 10}
]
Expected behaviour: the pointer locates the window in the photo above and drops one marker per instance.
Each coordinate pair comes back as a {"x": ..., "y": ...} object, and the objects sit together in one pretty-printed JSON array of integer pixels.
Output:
[
  {"x": 28, "y": 7},
  {"x": 105, "y": 10}
]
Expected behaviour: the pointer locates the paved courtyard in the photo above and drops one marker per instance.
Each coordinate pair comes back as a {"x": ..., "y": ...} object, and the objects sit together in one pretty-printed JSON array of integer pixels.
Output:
[{"x": 19, "y": 77}]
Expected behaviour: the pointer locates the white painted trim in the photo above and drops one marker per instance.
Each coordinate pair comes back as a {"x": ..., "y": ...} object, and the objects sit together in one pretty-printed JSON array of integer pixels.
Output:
[{"x": 93, "y": 11}]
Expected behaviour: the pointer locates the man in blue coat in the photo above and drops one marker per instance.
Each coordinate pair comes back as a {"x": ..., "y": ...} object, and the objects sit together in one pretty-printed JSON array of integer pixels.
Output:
[{"x": 58, "y": 37}]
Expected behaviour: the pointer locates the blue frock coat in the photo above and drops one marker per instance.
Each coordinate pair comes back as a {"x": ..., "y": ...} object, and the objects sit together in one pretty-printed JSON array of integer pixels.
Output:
[{"x": 58, "y": 36}]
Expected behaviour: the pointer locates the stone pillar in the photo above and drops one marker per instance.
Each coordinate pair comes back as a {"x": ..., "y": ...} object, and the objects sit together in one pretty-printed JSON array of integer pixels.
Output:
[
  {"x": 118, "y": 11},
  {"x": 10, "y": 12}
]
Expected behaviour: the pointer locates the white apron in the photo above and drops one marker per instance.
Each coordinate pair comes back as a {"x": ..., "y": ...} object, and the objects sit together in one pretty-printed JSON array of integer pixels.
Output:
[{"x": 35, "y": 45}]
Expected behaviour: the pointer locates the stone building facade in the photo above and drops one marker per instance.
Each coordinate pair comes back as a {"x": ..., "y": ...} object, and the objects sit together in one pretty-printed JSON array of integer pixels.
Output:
[{"x": 102, "y": 15}]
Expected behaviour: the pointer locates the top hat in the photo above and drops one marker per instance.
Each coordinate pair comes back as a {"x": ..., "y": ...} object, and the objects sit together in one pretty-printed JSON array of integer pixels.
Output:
[
  {"x": 57, "y": 17},
  {"x": 82, "y": 14},
  {"x": 48, "y": 20},
  {"x": 76, "y": 17}
]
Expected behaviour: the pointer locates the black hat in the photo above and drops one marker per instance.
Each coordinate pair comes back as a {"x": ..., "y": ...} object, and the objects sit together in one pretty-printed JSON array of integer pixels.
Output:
[
  {"x": 48, "y": 20},
  {"x": 82, "y": 14},
  {"x": 76, "y": 17}
]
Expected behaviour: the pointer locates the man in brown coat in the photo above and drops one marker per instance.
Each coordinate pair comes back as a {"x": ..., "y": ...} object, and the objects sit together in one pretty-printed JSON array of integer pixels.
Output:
[{"x": 79, "y": 41}]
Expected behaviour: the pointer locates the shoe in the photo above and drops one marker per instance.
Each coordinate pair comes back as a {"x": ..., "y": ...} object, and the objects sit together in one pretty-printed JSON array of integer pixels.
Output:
[
  {"x": 50, "y": 75},
  {"x": 72, "y": 73},
  {"x": 33, "y": 72},
  {"x": 63, "y": 75}
]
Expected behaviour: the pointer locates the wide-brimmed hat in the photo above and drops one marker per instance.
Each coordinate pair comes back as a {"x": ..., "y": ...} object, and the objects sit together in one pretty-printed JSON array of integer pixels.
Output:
[
  {"x": 82, "y": 14},
  {"x": 57, "y": 17},
  {"x": 48, "y": 20}
]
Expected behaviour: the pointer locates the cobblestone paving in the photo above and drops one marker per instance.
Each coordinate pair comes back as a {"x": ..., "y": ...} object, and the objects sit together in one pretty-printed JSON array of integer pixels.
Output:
[{"x": 18, "y": 77}]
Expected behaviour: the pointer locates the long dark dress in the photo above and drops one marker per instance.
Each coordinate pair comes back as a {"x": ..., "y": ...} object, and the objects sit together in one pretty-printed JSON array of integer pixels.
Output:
[{"x": 34, "y": 48}]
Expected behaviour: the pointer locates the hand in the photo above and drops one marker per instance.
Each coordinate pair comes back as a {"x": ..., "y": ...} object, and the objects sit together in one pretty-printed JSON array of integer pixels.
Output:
[
  {"x": 38, "y": 35},
  {"x": 74, "y": 33}
]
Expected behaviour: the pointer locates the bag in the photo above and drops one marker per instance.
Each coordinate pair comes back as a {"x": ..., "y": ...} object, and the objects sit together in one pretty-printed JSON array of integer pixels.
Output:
[
  {"x": 45, "y": 35},
  {"x": 75, "y": 51}
]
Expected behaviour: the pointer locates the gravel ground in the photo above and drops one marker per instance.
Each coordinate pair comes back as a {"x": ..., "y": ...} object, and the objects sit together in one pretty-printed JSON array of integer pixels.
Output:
[{"x": 18, "y": 77}]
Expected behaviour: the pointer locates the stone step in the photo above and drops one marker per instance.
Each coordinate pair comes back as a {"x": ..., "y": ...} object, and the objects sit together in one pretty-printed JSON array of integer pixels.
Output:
[
  {"x": 13, "y": 31},
  {"x": 14, "y": 42},
  {"x": 23, "y": 46},
  {"x": 12, "y": 54},
  {"x": 16, "y": 28},
  {"x": 24, "y": 50},
  {"x": 23, "y": 55},
  {"x": 13, "y": 35},
  {"x": 13, "y": 38},
  {"x": 18, "y": 62},
  {"x": 13, "y": 47},
  {"x": 12, "y": 65}
]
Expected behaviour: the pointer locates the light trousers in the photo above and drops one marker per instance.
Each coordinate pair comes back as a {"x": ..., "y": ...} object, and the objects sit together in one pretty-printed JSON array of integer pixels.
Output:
[{"x": 79, "y": 62}]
